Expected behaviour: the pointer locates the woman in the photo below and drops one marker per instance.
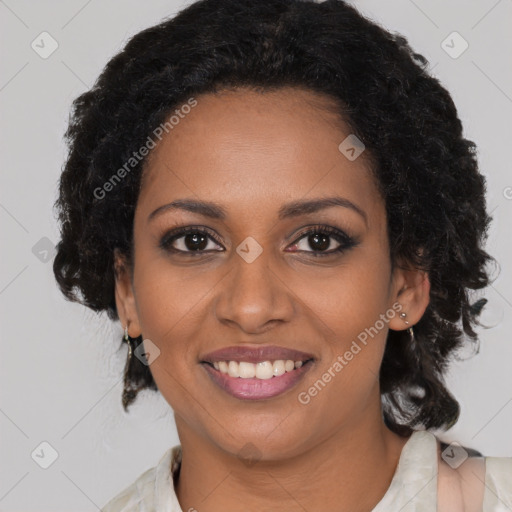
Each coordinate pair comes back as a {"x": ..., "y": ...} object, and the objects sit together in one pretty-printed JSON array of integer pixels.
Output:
[{"x": 276, "y": 201}]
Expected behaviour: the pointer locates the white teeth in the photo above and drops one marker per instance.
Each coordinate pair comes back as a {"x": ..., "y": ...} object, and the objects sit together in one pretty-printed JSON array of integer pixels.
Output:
[
  {"x": 263, "y": 370},
  {"x": 246, "y": 370},
  {"x": 233, "y": 369},
  {"x": 279, "y": 368},
  {"x": 289, "y": 365}
]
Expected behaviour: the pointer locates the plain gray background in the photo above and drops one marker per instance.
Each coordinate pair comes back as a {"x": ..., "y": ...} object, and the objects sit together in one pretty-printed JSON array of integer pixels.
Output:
[{"x": 61, "y": 373}]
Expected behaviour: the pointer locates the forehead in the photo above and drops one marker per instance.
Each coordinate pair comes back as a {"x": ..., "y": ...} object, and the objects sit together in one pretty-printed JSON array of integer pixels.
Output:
[{"x": 249, "y": 149}]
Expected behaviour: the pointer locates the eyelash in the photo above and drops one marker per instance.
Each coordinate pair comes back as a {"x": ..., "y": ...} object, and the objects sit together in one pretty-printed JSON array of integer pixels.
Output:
[{"x": 346, "y": 242}]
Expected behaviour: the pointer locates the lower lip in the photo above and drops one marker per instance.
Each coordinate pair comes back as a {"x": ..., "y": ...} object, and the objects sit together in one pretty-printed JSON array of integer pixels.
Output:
[{"x": 257, "y": 389}]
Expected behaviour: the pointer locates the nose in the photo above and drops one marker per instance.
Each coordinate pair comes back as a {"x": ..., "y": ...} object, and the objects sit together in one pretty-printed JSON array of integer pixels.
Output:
[{"x": 253, "y": 297}]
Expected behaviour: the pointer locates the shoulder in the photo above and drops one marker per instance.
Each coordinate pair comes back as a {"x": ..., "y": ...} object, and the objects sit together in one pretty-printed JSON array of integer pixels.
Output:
[
  {"x": 131, "y": 498},
  {"x": 461, "y": 488},
  {"x": 151, "y": 488},
  {"x": 498, "y": 483},
  {"x": 478, "y": 483}
]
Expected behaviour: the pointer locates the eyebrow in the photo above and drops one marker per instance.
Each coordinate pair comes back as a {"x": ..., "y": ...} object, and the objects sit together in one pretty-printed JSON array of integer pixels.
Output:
[{"x": 288, "y": 210}]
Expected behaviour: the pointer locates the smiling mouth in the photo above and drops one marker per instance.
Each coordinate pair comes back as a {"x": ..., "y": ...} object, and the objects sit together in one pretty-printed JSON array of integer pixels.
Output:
[
  {"x": 262, "y": 370},
  {"x": 257, "y": 381}
]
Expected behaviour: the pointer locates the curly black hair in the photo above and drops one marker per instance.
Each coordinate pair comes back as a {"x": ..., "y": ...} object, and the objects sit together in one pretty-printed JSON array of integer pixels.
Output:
[{"x": 426, "y": 171}]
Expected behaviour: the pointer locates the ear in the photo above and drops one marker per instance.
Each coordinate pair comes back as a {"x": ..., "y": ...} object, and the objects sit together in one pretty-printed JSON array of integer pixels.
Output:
[
  {"x": 411, "y": 289},
  {"x": 124, "y": 295}
]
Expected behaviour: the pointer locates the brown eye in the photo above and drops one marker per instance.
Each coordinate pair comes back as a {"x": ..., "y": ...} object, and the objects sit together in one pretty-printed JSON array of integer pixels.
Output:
[
  {"x": 322, "y": 239},
  {"x": 319, "y": 241},
  {"x": 194, "y": 241},
  {"x": 189, "y": 240}
]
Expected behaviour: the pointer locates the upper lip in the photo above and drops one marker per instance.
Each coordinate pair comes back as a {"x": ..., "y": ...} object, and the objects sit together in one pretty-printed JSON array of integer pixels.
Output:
[{"x": 255, "y": 355}]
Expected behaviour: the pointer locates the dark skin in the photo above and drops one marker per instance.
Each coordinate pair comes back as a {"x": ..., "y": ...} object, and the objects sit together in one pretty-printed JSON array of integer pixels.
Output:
[{"x": 252, "y": 153}]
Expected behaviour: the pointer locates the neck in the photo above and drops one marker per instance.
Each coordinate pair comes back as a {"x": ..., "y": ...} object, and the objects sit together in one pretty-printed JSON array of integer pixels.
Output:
[{"x": 353, "y": 469}]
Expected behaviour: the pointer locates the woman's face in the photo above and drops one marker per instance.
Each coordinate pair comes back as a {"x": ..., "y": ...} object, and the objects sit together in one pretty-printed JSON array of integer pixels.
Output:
[{"x": 258, "y": 277}]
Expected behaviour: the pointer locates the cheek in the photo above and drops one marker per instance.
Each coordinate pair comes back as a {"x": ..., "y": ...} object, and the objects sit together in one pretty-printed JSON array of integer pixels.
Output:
[
  {"x": 352, "y": 312},
  {"x": 171, "y": 309},
  {"x": 167, "y": 306},
  {"x": 348, "y": 299},
  {"x": 169, "y": 296},
  {"x": 350, "y": 309}
]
